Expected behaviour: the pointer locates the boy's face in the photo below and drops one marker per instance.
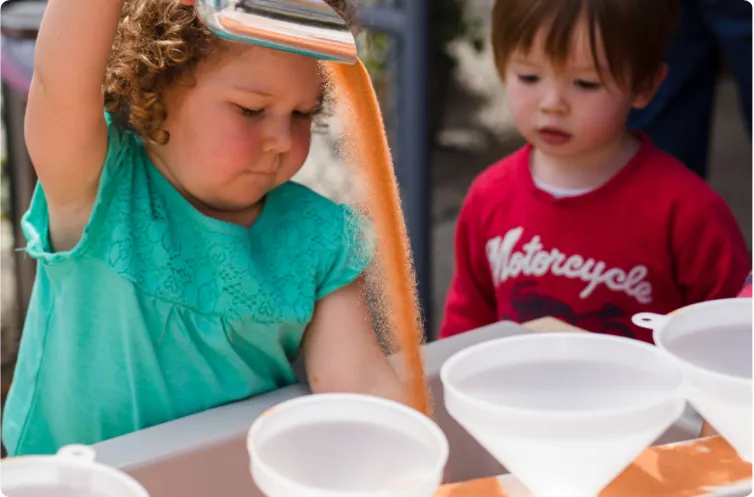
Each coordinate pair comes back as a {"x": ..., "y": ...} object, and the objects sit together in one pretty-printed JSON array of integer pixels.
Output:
[
  {"x": 242, "y": 129},
  {"x": 567, "y": 111}
]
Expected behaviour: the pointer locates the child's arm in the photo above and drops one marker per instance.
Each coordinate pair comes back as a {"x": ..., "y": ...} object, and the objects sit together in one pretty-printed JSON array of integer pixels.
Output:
[
  {"x": 341, "y": 350},
  {"x": 709, "y": 251},
  {"x": 471, "y": 298},
  {"x": 65, "y": 128}
]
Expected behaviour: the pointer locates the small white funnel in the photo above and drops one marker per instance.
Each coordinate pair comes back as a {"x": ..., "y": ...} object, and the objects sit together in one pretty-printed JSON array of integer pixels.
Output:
[
  {"x": 565, "y": 413},
  {"x": 712, "y": 343},
  {"x": 346, "y": 445},
  {"x": 70, "y": 473}
]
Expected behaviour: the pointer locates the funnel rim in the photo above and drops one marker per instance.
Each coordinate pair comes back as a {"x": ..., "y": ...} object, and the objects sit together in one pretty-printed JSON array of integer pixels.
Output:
[
  {"x": 661, "y": 341},
  {"x": 673, "y": 394},
  {"x": 54, "y": 461},
  {"x": 301, "y": 489}
]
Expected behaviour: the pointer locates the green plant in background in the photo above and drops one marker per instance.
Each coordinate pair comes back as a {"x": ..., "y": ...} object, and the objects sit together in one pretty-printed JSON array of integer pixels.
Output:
[
  {"x": 448, "y": 22},
  {"x": 373, "y": 51}
]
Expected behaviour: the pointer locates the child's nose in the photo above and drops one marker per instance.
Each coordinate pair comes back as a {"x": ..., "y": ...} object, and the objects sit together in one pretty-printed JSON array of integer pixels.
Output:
[
  {"x": 553, "y": 102},
  {"x": 277, "y": 137}
]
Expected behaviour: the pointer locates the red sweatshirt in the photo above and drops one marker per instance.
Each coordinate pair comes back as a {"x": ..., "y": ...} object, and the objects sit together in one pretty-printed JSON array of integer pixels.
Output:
[
  {"x": 746, "y": 292},
  {"x": 653, "y": 238}
]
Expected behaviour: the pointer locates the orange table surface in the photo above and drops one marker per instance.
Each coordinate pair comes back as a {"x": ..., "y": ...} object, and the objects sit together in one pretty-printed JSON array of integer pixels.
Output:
[{"x": 688, "y": 469}]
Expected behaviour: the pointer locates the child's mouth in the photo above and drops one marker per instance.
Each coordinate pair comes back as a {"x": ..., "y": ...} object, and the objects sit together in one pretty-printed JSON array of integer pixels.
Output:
[{"x": 553, "y": 136}]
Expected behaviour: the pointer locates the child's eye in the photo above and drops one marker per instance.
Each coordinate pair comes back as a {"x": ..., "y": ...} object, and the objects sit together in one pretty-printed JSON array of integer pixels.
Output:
[
  {"x": 528, "y": 79},
  {"x": 587, "y": 85},
  {"x": 311, "y": 114},
  {"x": 250, "y": 112}
]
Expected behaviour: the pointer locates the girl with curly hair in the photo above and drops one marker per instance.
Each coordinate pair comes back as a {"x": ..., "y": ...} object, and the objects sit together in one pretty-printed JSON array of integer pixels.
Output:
[{"x": 179, "y": 268}]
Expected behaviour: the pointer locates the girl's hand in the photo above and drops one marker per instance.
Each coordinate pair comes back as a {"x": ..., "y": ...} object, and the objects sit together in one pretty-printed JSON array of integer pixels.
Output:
[{"x": 341, "y": 351}]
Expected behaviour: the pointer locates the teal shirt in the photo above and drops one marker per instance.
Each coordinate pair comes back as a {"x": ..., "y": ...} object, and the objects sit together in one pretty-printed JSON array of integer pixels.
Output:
[{"x": 160, "y": 312}]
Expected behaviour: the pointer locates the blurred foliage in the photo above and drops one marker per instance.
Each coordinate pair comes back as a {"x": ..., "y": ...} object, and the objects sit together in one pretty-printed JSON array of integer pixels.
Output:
[{"x": 448, "y": 22}]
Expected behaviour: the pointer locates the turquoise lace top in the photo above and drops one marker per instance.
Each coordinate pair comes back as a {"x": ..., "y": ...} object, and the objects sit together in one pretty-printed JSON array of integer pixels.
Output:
[{"x": 160, "y": 312}]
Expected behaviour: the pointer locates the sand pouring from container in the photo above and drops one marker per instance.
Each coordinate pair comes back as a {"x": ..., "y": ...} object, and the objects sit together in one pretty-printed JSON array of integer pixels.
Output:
[{"x": 307, "y": 27}]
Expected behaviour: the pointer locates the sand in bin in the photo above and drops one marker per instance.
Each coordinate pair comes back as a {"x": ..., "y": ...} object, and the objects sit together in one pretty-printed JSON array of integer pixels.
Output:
[
  {"x": 366, "y": 149},
  {"x": 687, "y": 470}
]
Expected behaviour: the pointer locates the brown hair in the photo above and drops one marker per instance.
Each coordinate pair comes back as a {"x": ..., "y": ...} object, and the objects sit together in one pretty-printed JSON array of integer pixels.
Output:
[
  {"x": 635, "y": 34},
  {"x": 159, "y": 43}
]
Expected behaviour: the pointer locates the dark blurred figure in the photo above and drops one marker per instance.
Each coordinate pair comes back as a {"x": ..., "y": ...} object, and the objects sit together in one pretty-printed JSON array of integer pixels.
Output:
[{"x": 680, "y": 115}]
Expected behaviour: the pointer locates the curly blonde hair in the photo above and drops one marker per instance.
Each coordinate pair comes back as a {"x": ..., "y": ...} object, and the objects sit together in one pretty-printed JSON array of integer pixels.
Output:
[{"x": 159, "y": 43}]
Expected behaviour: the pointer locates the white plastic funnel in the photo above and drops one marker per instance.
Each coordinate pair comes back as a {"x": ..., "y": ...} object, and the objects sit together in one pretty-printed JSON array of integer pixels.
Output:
[
  {"x": 712, "y": 342},
  {"x": 338, "y": 445},
  {"x": 70, "y": 473},
  {"x": 565, "y": 413}
]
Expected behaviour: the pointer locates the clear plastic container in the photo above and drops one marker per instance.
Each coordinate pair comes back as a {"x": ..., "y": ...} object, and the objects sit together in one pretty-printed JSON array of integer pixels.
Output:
[
  {"x": 712, "y": 343},
  {"x": 72, "y": 472},
  {"x": 565, "y": 413},
  {"x": 338, "y": 445}
]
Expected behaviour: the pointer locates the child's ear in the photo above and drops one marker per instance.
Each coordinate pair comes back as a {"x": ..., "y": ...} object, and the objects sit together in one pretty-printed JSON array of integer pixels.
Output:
[{"x": 643, "y": 98}]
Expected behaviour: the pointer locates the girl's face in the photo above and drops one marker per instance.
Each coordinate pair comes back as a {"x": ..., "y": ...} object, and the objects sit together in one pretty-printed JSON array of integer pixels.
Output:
[{"x": 241, "y": 130}]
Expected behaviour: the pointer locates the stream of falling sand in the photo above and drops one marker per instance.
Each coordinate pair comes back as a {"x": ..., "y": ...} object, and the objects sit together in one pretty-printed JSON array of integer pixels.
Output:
[{"x": 367, "y": 147}]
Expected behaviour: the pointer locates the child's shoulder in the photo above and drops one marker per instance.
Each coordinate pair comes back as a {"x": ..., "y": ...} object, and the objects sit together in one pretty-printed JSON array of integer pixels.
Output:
[
  {"x": 308, "y": 226},
  {"x": 502, "y": 174},
  {"x": 664, "y": 168},
  {"x": 668, "y": 178}
]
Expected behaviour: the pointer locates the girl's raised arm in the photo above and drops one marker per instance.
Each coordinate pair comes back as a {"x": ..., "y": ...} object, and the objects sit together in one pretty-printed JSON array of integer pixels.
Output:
[{"x": 66, "y": 133}]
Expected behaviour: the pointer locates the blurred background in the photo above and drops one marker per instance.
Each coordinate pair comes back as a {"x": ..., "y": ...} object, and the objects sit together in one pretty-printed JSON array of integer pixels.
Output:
[{"x": 446, "y": 116}]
